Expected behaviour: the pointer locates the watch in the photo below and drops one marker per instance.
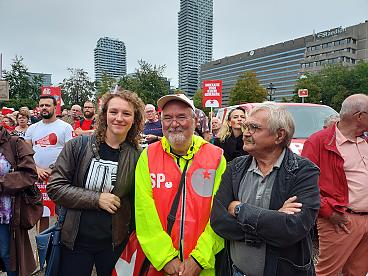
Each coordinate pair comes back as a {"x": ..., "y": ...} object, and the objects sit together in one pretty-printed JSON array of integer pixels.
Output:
[{"x": 237, "y": 209}]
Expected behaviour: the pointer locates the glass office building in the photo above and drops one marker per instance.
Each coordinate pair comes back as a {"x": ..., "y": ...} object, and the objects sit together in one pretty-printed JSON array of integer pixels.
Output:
[
  {"x": 283, "y": 63},
  {"x": 195, "y": 39},
  {"x": 110, "y": 58}
]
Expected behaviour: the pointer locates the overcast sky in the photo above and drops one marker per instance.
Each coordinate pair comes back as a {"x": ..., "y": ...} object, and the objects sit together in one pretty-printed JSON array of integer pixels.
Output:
[{"x": 53, "y": 35}]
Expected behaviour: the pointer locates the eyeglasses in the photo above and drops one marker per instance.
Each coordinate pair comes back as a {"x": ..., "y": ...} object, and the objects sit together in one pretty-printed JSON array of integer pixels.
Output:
[
  {"x": 180, "y": 119},
  {"x": 251, "y": 128},
  {"x": 360, "y": 112}
]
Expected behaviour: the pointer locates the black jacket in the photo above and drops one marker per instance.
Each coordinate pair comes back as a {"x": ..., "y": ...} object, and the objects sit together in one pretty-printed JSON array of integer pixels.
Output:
[
  {"x": 66, "y": 188},
  {"x": 232, "y": 146},
  {"x": 287, "y": 237}
]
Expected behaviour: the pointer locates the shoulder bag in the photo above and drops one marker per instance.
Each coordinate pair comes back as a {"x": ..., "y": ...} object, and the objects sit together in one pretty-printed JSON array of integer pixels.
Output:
[{"x": 31, "y": 207}]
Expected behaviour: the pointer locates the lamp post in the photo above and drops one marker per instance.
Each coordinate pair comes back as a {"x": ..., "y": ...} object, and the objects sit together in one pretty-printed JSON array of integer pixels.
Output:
[{"x": 271, "y": 90}]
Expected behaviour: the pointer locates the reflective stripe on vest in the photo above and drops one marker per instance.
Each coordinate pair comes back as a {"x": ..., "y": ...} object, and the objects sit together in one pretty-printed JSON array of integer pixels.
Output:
[{"x": 200, "y": 178}]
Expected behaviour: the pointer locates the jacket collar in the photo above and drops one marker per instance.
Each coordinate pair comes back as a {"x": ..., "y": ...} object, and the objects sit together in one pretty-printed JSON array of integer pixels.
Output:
[{"x": 197, "y": 142}]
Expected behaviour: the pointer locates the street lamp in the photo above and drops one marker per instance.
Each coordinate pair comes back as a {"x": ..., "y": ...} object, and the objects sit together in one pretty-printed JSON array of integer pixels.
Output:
[{"x": 271, "y": 90}]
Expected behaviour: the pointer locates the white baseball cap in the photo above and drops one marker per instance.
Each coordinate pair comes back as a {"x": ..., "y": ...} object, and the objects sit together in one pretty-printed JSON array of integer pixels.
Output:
[{"x": 175, "y": 97}]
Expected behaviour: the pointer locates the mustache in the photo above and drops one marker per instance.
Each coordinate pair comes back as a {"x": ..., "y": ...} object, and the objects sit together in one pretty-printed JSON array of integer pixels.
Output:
[
  {"x": 248, "y": 140},
  {"x": 175, "y": 129}
]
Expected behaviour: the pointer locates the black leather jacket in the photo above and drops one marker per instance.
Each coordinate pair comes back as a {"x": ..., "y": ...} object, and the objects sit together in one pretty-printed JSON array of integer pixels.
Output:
[
  {"x": 287, "y": 237},
  {"x": 66, "y": 188}
]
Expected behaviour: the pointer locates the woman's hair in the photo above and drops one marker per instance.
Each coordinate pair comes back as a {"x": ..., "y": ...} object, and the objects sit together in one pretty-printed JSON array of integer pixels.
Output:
[
  {"x": 133, "y": 136},
  {"x": 23, "y": 112},
  {"x": 226, "y": 130}
]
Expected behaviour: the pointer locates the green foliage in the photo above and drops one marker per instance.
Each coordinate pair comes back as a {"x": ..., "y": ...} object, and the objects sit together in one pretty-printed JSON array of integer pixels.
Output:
[
  {"x": 247, "y": 89},
  {"x": 21, "y": 84},
  {"x": 197, "y": 100},
  {"x": 77, "y": 88},
  {"x": 17, "y": 103},
  {"x": 333, "y": 84},
  {"x": 147, "y": 81},
  {"x": 106, "y": 84}
]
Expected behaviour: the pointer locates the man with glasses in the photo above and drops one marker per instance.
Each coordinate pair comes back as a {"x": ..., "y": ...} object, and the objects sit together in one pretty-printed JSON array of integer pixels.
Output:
[
  {"x": 86, "y": 125},
  {"x": 341, "y": 152},
  {"x": 268, "y": 200},
  {"x": 175, "y": 182}
]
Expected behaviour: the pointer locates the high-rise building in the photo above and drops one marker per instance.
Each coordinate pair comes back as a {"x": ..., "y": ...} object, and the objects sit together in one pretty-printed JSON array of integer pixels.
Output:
[
  {"x": 195, "y": 39},
  {"x": 46, "y": 78},
  {"x": 282, "y": 64},
  {"x": 110, "y": 58}
]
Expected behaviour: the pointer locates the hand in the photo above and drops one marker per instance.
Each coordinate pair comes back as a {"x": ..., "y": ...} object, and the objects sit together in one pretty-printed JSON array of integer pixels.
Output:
[
  {"x": 78, "y": 131},
  {"x": 109, "y": 202},
  {"x": 231, "y": 208},
  {"x": 339, "y": 221},
  {"x": 291, "y": 206},
  {"x": 43, "y": 174},
  {"x": 151, "y": 137},
  {"x": 174, "y": 267},
  {"x": 191, "y": 268}
]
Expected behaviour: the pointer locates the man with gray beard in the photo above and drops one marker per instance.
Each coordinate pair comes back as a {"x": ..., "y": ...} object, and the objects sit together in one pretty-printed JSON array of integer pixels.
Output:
[{"x": 176, "y": 179}]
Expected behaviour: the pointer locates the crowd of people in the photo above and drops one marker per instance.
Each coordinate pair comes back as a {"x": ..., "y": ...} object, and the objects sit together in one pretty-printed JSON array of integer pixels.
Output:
[{"x": 200, "y": 196}]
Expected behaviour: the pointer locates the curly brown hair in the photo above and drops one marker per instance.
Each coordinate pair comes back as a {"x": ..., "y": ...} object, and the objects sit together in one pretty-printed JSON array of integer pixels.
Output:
[{"x": 134, "y": 134}]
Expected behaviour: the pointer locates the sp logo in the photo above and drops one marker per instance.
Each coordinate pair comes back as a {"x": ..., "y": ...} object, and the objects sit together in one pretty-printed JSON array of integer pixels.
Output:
[{"x": 159, "y": 181}]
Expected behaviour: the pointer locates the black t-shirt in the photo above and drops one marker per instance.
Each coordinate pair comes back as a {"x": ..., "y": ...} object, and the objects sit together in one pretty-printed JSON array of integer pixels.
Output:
[{"x": 96, "y": 225}]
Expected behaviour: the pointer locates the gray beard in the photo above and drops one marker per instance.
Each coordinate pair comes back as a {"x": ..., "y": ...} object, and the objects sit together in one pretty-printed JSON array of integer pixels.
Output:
[{"x": 177, "y": 138}]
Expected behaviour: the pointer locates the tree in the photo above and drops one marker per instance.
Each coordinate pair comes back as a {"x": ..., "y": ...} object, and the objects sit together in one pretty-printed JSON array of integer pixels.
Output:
[
  {"x": 247, "y": 89},
  {"x": 333, "y": 84},
  {"x": 147, "y": 81},
  {"x": 23, "y": 89},
  {"x": 77, "y": 88},
  {"x": 106, "y": 84},
  {"x": 22, "y": 86},
  {"x": 310, "y": 82}
]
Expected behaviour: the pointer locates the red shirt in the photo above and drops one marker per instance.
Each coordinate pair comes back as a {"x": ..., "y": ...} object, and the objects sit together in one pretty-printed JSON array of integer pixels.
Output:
[{"x": 86, "y": 124}]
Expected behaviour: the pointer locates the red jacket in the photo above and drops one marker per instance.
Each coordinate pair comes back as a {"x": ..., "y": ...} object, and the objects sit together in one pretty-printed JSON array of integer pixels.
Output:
[{"x": 321, "y": 149}]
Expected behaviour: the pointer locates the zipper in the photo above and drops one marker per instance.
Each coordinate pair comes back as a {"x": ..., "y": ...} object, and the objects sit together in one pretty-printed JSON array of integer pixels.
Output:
[{"x": 181, "y": 240}]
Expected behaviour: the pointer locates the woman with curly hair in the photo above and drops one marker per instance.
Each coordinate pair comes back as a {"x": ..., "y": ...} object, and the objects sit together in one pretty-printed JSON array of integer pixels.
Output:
[
  {"x": 96, "y": 186},
  {"x": 230, "y": 137}
]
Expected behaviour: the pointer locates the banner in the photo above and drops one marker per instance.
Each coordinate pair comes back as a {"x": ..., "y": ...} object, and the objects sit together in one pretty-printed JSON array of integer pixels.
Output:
[
  {"x": 53, "y": 91},
  {"x": 48, "y": 204},
  {"x": 212, "y": 93}
]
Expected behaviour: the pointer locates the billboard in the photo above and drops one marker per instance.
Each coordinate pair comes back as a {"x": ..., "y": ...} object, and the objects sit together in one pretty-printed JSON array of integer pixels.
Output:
[
  {"x": 53, "y": 91},
  {"x": 4, "y": 90}
]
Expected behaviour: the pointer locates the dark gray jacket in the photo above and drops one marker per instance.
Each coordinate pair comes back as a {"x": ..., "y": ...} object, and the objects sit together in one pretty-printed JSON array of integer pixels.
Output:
[
  {"x": 287, "y": 237},
  {"x": 66, "y": 188}
]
